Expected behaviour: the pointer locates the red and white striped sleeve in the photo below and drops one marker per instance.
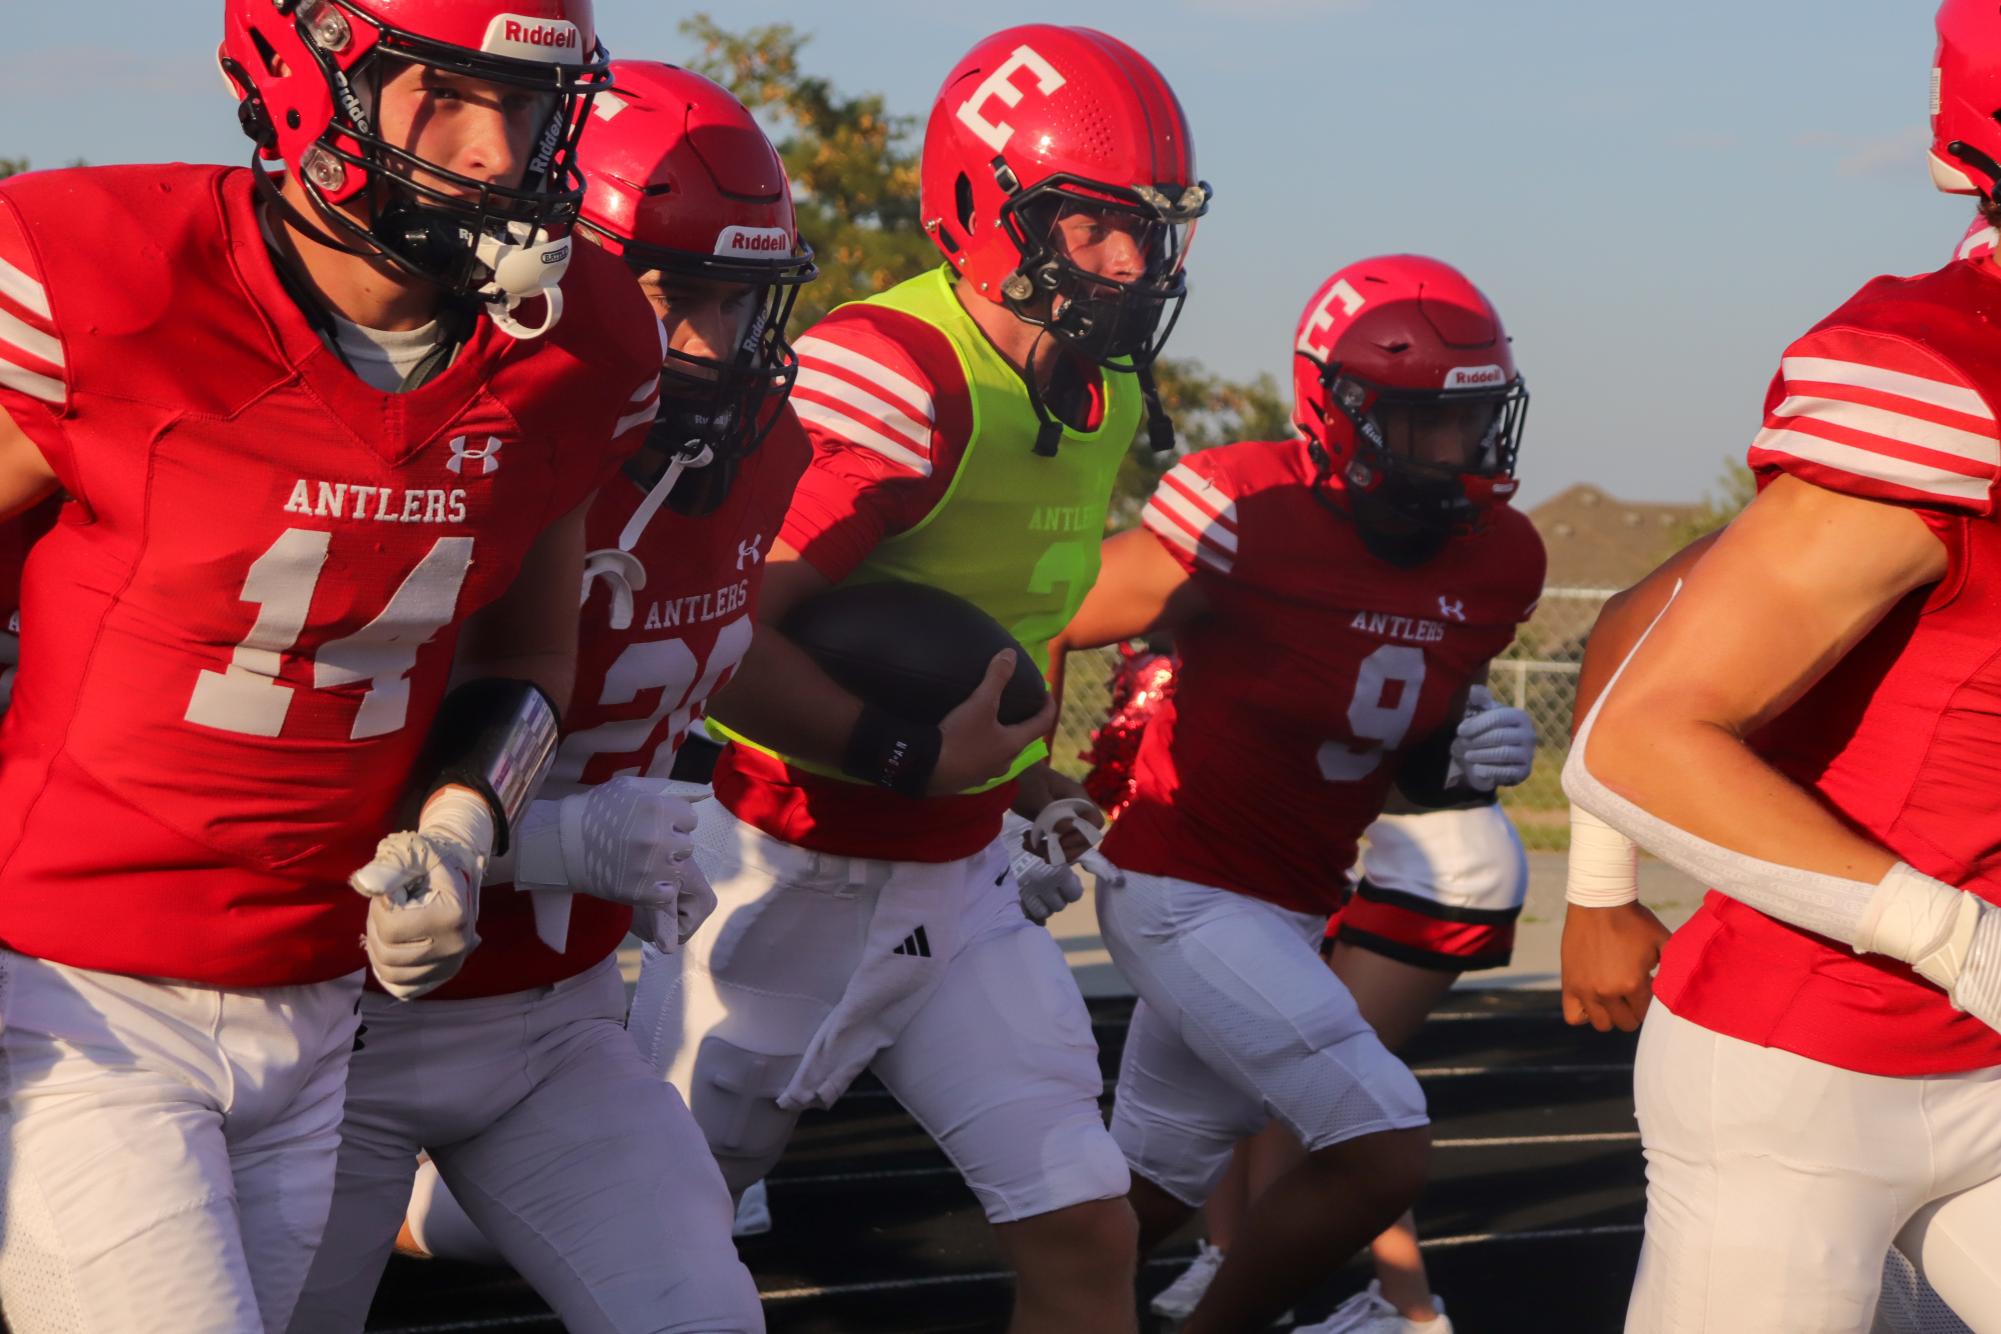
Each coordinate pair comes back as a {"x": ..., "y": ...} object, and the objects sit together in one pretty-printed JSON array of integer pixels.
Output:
[
  {"x": 860, "y": 387},
  {"x": 32, "y": 374},
  {"x": 1194, "y": 514},
  {"x": 1980, "y": 241},
  {"x": 1883, "y": 418}
]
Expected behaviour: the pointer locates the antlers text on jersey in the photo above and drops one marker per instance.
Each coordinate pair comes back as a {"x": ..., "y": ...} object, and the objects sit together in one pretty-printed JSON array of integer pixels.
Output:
[
  {"x": 1406, "y": 629},
  {"x": 699, "y": 608}
]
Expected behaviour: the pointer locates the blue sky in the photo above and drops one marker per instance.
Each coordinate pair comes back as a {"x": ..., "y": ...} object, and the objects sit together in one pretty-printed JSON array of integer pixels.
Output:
[{"x": 1658, "y": 197}]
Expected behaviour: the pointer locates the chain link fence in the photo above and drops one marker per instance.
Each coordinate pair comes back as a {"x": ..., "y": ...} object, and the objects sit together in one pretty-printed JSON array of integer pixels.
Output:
[{"x": 1538, "y": 674}]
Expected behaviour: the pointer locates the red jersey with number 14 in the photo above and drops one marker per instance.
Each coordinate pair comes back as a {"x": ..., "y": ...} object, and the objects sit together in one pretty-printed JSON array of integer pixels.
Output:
[
  {"x": 245, "y": 617},
  {"x": 651, "y": 653},
  {"x": 1315, "y": 665}
]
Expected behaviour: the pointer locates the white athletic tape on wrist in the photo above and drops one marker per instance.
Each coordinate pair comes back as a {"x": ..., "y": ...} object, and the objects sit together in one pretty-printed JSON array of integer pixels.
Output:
[
  {"x": 460, "y": 813},
  {"x": 1924, "y": 922},
  {"x": 1604, "y": 865}
]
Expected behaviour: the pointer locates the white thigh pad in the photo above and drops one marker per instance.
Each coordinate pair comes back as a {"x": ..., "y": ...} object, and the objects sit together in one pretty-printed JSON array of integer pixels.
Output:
[{"x": 1468, "y": 858}]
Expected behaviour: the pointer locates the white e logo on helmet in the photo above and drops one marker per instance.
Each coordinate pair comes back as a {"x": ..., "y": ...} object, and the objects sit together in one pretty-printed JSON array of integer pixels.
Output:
[
  {"x": 1343, "y": 294},
  {"x": 1000, "y": 84}
]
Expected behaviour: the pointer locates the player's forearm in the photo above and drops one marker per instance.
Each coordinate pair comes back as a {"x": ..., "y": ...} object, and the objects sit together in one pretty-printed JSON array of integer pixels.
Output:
[
  {"x": 1140, "y": 590},
  {"x": 530, "y": 633},
  {"x": 552, "y": 670},
  {"x": 1700, "y": 777},
  {"x": 780, "y": 698}
]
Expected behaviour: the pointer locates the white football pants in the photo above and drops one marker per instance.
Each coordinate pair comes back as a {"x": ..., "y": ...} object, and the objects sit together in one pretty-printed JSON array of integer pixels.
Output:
[
  {"x": 1239, "y": 1021},
  {"x": 999, "y": 1066},
  {"x": 1775, "y": 1184},
  {"x": 570, "y": 1155},
  {"x": 167, "y": 1148}
]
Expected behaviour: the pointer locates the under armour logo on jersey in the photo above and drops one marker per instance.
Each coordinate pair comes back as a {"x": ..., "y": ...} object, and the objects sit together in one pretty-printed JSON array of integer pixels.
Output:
[
  {"x": 747, "y": 553},
  {"x": 916, "y": 944},
  {"x": 488, "y": 458},
  {"x": 1000, "y": 84},
  {"x": 1452, "y": 609}
]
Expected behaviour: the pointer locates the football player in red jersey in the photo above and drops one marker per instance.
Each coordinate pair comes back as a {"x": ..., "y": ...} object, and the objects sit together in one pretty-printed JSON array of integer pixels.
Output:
[
  {"x": 304, "y": 434},
  {"x": 579, "y": 1165},
  {"x": 1808, "y": 727},
  {"x": 967, "y": 426},
  {"x": 1335, "y": 598}
]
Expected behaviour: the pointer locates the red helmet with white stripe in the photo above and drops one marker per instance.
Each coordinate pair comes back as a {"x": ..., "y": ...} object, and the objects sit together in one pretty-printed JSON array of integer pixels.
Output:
[
  {"x": 1966, "y": 98},
  {"x": 1405, "y": 385},
  {"x": 308, "y": 72},
  {"x": 678, "y": 177},
  {"x": 1042, "y": 123}
]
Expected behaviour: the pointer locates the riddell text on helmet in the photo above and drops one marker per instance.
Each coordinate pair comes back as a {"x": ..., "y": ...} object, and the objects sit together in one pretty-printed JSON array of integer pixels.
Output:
[
  {"x": 524, "y": 38},
  {"x": 754, "y": 241}
]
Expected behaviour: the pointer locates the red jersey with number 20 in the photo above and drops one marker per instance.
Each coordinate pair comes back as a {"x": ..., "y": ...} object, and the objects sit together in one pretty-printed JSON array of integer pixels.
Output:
[
  {"x": 652, "y": 651},
  {"x": 245, "y": 617},
  {"x": 1316, "y": 664},
  {"x": 1892, "y": 398}
]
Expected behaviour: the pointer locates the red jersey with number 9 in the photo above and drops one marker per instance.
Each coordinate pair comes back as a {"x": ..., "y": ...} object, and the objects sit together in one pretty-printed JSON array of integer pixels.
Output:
[
  {"x": 1315, "y": 666},
  {"x": 246, "y": 616},
  {"x": 667, "y": 620}
]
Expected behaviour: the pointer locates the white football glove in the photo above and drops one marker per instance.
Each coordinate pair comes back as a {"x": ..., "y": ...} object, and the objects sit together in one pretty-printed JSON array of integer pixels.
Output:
[
  {"x": 629, "y": 840},
  {"x": 423, "y": 892},
  {"x": 1495, "y": 744},
  {"x": 1042, "y": 870}
]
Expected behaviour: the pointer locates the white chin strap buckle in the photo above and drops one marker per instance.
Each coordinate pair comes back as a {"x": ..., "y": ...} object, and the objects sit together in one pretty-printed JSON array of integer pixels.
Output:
[
  {"x": 623, "y": 573},
  {"x": 525, "y": 263}
]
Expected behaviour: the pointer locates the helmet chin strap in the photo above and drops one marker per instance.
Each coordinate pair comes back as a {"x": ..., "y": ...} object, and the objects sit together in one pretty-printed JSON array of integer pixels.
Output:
[
  {"x": 525, "y": 264},
  {"x": 635, "y": 527}
]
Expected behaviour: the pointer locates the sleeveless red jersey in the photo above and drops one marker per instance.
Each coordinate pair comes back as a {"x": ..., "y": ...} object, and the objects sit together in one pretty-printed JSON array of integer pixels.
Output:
[
  {"x": 245, "y": 617},
  {"x": 1316, "y": 665},
  {"x": 642, "y": 682},
  {"x": 1894, "y": 398}
]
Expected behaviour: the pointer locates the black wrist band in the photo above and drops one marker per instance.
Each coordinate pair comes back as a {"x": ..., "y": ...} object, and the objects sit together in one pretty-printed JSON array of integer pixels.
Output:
[
  {"x": 496, "y": 736},
  {"x": 892, "y": 752}
]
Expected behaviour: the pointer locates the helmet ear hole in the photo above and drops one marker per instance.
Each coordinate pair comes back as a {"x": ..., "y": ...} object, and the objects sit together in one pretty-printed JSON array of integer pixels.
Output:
[
  {"x": 962, "y": 198},
  {"x": 268, "y": 54}
]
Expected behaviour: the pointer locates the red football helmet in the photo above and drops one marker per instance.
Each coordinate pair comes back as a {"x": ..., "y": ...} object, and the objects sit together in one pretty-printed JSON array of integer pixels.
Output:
[
  {"x": 678, "y": 176},
  {"x": 1966, "y": 98},
  {"x": 1405, "y": 385},
  {"x": 1040, "y": 122},
  {"x": 306, "y": 73}
]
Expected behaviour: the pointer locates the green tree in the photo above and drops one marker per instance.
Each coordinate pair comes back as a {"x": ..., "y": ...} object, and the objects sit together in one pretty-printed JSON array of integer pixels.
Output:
[
  {"x": 12, "y": 166},
  {"x": 853, "y": 165},
  {"x": 1734, "y": 489}
]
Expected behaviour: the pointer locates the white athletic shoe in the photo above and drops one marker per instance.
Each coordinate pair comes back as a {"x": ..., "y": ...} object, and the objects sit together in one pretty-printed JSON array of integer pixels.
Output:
[
  {"x": 1177, "y": 1300},
  {"x": 753, "y": 1212},
  {"x": 1368, "y": 1313}
]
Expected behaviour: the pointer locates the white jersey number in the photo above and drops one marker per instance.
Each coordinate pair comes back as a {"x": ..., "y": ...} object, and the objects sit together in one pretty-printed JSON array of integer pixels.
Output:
[
  {"x": 248, "y": 698},
  {"x": 666, "y": 665},
  {"x": 1370, "y": 719}
]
